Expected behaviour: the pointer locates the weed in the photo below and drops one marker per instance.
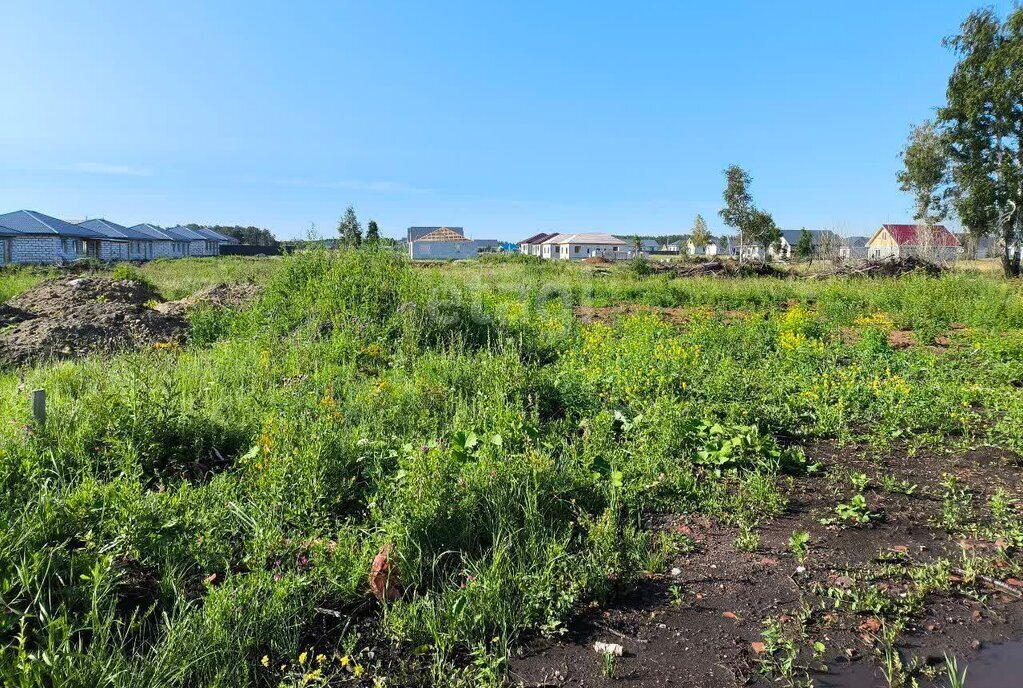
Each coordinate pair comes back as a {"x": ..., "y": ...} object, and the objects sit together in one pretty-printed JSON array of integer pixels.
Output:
[{"x": 798, "y": 545}]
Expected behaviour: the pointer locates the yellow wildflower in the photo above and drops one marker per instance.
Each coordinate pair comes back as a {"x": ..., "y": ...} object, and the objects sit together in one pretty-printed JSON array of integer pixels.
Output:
[
  {"x": 302, "y": 657},
  {"x": 265, "y": 661},
  {"x": 358, "y": 671}
]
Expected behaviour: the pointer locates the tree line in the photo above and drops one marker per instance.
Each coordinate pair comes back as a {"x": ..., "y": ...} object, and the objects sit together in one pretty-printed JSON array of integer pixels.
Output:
[
  {"x": 252, "y": 236},
  {"x": 968, "y": 160}
]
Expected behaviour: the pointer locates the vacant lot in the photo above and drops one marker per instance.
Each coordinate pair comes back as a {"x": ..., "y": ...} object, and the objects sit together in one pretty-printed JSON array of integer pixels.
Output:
[{"x": 373, "y": 473}]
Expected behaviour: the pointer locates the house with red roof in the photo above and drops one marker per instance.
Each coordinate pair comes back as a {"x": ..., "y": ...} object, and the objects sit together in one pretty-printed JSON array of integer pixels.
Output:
[{"x": 925, "y": 241}]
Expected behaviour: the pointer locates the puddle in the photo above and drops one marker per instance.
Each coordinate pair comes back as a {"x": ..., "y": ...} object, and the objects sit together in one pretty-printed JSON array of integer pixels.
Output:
[{"x": 996, "y": 666}]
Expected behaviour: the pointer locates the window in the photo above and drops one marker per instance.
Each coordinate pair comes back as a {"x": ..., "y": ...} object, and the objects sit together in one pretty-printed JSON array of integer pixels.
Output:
[
  {"x": 5, "y": 250},
  {"x": 577, "y": 249}
]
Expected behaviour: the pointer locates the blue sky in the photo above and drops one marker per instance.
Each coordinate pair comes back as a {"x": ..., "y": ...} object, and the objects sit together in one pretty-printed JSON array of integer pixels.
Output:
[{"x": 505, "y": 118}]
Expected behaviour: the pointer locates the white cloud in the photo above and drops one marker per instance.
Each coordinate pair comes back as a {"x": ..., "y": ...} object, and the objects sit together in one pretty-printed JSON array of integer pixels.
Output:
[{"x": 103, "y": 168}]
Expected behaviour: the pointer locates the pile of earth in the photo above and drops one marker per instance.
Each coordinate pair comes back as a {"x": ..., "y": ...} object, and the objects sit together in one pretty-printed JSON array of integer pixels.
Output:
[
  {"x": 218, "y": 296},
  {"x": 75, "y": 317}
]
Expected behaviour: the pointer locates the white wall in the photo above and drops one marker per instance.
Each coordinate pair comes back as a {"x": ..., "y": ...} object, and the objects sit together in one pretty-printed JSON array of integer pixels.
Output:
[{"x": 442, "y": 250}]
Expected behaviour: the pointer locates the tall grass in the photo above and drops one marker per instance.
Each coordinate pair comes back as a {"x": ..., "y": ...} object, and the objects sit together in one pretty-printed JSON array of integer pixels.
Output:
[{"x": 184, "y": 513}]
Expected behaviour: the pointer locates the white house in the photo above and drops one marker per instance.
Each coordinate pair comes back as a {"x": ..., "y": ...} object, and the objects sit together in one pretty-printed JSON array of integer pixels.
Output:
[
  {"x": 711, "y": 249},
  {"x": 585, "y": 245},
  {"x": 824, "y": 242},
  {"x": 446, "y": 243},
  {"x": 531, "y": 246}
]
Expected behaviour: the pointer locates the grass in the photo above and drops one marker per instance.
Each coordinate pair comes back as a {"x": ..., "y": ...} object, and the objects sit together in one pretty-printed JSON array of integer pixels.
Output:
[{"x": 184, "y": 514}]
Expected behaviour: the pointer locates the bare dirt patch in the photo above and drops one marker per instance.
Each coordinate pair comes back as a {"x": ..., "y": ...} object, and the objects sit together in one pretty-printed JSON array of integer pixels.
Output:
[
  {"x": 75, "y": 317},
  {"x": 702, "y": 623},
  {"x": 219, "y": 296},
  {"x": 593, "y": 314}
]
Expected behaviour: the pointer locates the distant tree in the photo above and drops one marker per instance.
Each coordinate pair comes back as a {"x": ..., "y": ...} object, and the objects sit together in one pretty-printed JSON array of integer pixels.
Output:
[
  {"x": 804, "y": 247},
  {"x": 724, "y": 242},
  {"x": 700, "y": 234},
  {"x": 739, "y": 212},
  {"x": 982, "y": 128},
  {"x": 372, "y": 233},
  {"x": 251, "y": 236},
  {"x": 348, "y": 228},
  {"x": 925, "y": 173}
]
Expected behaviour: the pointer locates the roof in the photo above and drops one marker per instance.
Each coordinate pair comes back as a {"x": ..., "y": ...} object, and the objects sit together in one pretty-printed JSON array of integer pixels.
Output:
[
  {"x": 31, "y": 222},
  {"x": 112, "y": 230},
  {"x": 442, "y": 234},
  {"x": 153, "y": 232},
  {"x": 856, "y": 241},
  {"x": 908, "y": 235},
  {"x": 183, "y": 233},
  {"x": 216, "y": 236},
  {"x": 7, "y": 232},
  {"x": 816, "y": 235},
  {"x": 586, "y": 238},
  {"x": 537, "y": 238},
  {"x": 415, "y": 233}
]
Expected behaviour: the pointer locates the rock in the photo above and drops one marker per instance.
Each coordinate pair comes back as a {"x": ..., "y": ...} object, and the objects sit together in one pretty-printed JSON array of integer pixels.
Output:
[
  {"x": 758, "y": 647},
  {"x": 976, "y": 645}
]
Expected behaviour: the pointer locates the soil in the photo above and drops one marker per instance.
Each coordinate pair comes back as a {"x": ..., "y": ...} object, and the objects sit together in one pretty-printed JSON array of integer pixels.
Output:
[
  {"x": 79, "y": 316},
  {"x": 712, "y": 638},
  {"x": 592, "y": 314},
  {"x": 219, "y": 295}
]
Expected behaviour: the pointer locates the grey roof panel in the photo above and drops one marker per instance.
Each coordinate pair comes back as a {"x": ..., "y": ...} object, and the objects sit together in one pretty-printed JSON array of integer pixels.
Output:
[
  {"x": 184, "y": 233},
  {"x": 8, "y": 232},
  {"x": 112, "y": 230},
  {"x": 154, "y": 232},
  {"x": 31, "y": 222}
]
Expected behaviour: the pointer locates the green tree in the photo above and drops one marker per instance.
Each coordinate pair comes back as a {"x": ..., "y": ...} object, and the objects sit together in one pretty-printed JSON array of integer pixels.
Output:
[
  {"x": 349, "y": 229},
  {"x": 982, "y": 127},
  {"x": 372, "y": 233},
  {"x": 699, "y": 233},
  {"x": 752, "y": 223},
  {"x": 804, "y": 247},
  {"x": 925, "y": 173}
]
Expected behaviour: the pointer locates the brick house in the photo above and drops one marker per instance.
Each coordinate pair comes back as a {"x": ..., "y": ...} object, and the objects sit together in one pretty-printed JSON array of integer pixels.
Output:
[
  {"x": 164, "y": 245},
  {"x": 38, "y": 238},
  {"x": 124, "y": 243},
  {"x": 198, "y": 245},
  {"x": 6, "y": 236}
]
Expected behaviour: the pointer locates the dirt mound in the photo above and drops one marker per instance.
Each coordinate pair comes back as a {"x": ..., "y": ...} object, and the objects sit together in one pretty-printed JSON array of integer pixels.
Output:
[
  {"x": 219, "y": 295},
  {"x": 596, "y": 260},
  {"x": 64, "y": 295},
  {"x": 9, "y": 315},
  {"x": 68, "y": 318},
  {"x": 91, "y": 328}
]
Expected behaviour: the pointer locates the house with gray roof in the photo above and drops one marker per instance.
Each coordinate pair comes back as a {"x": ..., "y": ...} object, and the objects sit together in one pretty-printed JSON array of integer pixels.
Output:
[
  {"x": 854, "y": 247},
  {"x": 6, "y": 235},
  {"x": 164, "y": 245},
  {"x": 122, "y": 242},
  {"x": 218, "y": 238},
  {"x": 825, "y": 243},
  {"x": 33, "y": 237},
  {"x": 198, "y": 245}
]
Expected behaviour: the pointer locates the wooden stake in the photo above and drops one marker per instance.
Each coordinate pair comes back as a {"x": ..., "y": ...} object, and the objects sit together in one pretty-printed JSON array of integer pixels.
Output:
[{"x": 39, "y": 406}]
